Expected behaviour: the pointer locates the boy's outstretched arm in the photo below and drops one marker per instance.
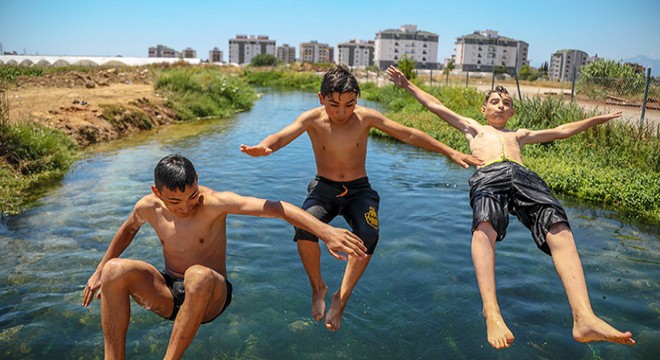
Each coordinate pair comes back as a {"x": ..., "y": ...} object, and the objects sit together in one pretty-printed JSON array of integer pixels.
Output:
[
  {"x": 467, "y": 126},
  {"x": 278, "y": 140},
  {"x": 565, "y": 130},
  {"x": 337, "y": 240},
  {"x": 420, "y": 139}
]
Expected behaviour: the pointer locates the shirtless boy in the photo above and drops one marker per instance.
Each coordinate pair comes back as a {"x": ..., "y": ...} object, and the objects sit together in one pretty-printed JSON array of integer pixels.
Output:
[
  {"x": 339, "y": 130},
  {"x": 190, "y": 221},
  {"x": 504, "y": 182}
]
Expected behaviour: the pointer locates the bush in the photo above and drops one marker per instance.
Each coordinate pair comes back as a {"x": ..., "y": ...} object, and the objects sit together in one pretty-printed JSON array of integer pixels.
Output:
[{"x": 198, "y": 92}]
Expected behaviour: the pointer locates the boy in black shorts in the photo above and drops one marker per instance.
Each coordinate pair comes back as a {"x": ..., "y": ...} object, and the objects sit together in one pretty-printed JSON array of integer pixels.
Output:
[
  {"x": 339, "y": 130},
  {"x": 505, "y": 185}
]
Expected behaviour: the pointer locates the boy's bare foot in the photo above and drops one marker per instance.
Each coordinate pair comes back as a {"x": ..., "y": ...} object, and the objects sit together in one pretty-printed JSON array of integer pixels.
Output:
[
  {"x": 595, "y": 329},
  {"x": 318, "y": 302},
  {"x": 333, "y": 317},
  {"x": 499, "y": 335}
]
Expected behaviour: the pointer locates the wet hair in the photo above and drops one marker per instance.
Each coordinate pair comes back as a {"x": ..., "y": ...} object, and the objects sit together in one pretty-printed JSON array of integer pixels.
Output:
[
  {"x": 339, "y": 80},
  {"x": 174, "y": 172},
  {"x": 499, "y": 89}
]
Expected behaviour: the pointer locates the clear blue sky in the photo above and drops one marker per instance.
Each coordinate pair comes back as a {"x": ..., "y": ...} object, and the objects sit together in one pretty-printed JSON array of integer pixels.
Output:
[{"x": 612, "y": 29}]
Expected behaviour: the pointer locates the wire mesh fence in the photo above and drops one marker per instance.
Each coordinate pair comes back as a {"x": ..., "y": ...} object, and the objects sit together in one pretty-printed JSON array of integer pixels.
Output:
[{"x": 638, "y": 97}]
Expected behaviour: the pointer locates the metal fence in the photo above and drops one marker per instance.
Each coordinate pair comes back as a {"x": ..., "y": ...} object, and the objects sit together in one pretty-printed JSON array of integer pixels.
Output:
[{"x": 638, "y": 97}]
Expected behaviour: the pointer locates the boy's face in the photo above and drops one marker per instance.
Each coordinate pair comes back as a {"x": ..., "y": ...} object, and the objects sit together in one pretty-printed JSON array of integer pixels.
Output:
[
  {"x": 179, "y": 203},
  {"x": 498, "y": 109},
  {"x": 339, "y": 106}
]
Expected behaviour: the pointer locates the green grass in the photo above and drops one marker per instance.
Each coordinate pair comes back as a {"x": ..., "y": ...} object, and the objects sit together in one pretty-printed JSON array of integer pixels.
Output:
[
  {"x": 32, "y": 157},
  {"x": 202, "y": 92}
]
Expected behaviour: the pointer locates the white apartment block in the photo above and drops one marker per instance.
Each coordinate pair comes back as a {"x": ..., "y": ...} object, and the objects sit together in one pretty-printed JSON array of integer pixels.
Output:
[
  {"x": 482, "y": 51},
  {"x": 286, "y": 53},
  {"x": 315, "y": 52},
  {"x": 420, "y": 46},
  {"x": 215, "y": 55},
  {"x": 243, "y": 48},
  {"x": 356, "y": 53},
  {"x": 564, "y": 64}
]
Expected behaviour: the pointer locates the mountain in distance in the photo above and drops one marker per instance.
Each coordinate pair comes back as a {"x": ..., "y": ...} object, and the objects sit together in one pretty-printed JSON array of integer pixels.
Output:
[{"x": 646, "y": 62}]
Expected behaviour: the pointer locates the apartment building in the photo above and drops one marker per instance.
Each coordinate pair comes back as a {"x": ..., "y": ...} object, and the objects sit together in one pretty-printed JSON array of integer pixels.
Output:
[
  {"x": 162, "y": 51},
  {"x": 215, "y": 55},
  {"x": 315, "y": 52},
  {"x": 243, "y": 48},
  {"x": 189, "y": 53},
  {"x": 420, "y": 46},
  {"x": 356, "y": 53},
  {"x": 482, "y": 51},
  {"x": 564, "y": 64},
  {"x": 286, "y": 53}
]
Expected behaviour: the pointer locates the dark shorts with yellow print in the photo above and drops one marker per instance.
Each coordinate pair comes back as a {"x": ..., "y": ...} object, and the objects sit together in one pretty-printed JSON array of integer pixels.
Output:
[{"x": 355, "y": 200}]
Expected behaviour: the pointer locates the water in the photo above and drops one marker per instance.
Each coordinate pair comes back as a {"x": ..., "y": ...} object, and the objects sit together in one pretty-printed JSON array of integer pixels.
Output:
[{"x": 417, "y": 300}]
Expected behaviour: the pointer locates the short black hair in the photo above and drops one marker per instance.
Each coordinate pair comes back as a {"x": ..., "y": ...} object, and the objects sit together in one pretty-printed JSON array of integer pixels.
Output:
[
  {"x": 174, "y": 172},
  {"x": 339, "y": 80},
  {"x": 499, "y": 89}
]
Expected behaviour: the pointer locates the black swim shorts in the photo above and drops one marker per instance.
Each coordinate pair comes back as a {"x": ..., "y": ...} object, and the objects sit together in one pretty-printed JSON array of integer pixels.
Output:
[
  {"x": 508, "y": 186},
  {"x": 179, "y": 294},
  {"x": 355, "y": 200}
]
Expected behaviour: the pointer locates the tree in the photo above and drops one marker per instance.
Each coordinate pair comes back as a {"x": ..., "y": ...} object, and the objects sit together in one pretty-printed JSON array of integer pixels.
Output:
[
  {"x": 407, "y": 66},
  {"x": 264, "y": 60},
  {"x": 450, "y": 66}
]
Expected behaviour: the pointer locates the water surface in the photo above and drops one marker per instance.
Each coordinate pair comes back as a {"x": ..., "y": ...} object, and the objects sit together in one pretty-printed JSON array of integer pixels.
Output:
[{"x": 417, "y": 300}]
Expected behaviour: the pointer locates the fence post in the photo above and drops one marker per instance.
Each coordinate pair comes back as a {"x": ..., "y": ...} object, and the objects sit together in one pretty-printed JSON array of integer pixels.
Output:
[
  {"x": 431, "y": 78},
  {"x": 573, "y": 83},
  {"x": 467, "y": 79},
  {"x": 515, "y": 73},
  {"x": 492, "y": 81},
  {"x": 646, "y": 94}
]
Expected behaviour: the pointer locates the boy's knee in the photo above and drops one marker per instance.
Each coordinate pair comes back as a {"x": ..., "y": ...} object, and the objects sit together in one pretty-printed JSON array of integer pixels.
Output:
[
  {"x": 486, "y": 227},
  {"x": 114, "y": 270},
  {"x": 199, "y": 279}
]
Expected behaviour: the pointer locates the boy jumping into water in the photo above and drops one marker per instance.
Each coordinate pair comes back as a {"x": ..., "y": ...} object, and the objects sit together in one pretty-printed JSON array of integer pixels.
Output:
[
  {"x": 504, "y": 183},
  {"x": 339, "y": 130},
  {"x": 190, "y": 221}
]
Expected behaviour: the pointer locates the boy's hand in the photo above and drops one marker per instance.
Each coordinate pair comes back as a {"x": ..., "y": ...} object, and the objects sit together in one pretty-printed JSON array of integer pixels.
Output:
[
  {"x": 341, "y": 240},
  {"x": 465, "y": 160},
  {"x": 396, "y": 76},
  {"x": 256, "y": 150},
  {"x": 610, "y": 116},
  {"x": 93, "y": 284}
]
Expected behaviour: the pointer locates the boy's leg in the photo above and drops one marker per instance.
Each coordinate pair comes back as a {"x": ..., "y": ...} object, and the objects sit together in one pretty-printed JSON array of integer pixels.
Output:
[
  {"x": 206, "y": 294},
  {"x": 120, "y": 279},
  {"x": 354, "y": 270},
  {"x": 310, "y": 255},
  {"x": 586, "y": 325},
  {"x": 483, "y": 257}
]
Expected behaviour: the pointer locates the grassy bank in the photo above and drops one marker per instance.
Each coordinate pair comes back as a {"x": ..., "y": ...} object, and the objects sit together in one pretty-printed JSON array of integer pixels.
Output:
[
  {"x": 203, "y": 92},
  {"x": 33, "y": 157}
]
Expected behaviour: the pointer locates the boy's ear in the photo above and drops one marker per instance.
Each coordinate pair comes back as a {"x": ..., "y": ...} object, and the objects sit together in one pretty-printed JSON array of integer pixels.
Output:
[
  {"x": 154, "y": 189},
  {"x": 321, "y": 99},
  {"x": 483, "y": 109}
]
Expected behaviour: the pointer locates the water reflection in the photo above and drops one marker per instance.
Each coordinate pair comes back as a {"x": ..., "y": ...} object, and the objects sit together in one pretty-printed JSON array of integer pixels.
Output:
[{"x": 417, "y": 299}]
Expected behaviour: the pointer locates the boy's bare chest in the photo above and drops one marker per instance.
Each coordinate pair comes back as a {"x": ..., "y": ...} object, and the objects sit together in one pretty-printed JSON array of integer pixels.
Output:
[{"x": 190, "y": 234}]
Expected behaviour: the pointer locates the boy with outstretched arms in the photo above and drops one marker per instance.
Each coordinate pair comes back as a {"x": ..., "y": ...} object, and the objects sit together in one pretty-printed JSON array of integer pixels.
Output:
[
  {"x": 339, "y": 130},
  {"x": 505, "y": 183},
  {"x": 190, "y": 221}
]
